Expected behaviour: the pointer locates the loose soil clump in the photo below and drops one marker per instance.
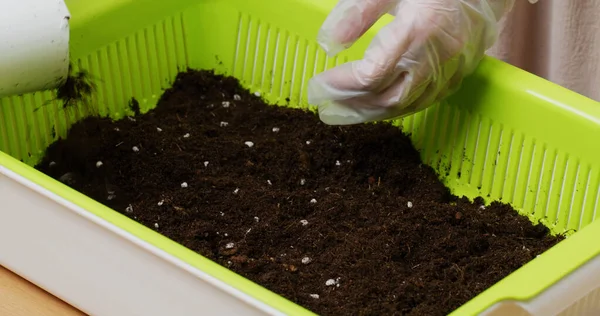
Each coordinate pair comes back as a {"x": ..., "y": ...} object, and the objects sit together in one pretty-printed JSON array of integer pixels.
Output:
[
  {"x": 341, "y": 220},
  {"x": 78, "y": 87}
]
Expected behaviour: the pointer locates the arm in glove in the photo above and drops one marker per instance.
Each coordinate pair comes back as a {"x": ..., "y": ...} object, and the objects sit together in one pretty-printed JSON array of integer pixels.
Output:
[{"x": 413, "y": 62}]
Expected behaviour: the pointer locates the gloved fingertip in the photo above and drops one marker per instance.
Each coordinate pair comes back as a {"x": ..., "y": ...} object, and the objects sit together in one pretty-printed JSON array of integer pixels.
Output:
[
  {"x": 330, "y": 47},
  {"x": 333, "y": 113},
  {"x": 330, "y": 112},
  {"x": 316, "y": 93}
]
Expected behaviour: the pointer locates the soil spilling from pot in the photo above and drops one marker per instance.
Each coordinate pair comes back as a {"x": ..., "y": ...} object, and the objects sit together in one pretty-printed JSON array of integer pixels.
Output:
[
  {"x": 77, "y": 87},
  {"x": 341, "y": 220}
]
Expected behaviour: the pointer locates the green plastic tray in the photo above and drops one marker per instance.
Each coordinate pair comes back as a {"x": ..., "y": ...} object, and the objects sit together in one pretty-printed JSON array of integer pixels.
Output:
[{"x": 506, "y": 135}]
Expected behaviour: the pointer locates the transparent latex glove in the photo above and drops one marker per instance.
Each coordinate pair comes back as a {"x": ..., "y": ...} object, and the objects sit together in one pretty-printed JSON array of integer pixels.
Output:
[{"x": 418, "y": 59}]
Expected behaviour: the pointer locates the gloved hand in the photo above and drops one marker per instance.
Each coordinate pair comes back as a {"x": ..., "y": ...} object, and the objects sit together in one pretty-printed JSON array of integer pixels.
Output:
[{"x": 418, "y": 59}]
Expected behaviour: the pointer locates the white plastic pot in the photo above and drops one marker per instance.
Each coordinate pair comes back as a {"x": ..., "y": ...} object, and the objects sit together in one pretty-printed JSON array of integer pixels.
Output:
[{"x": 34, "y": 45}]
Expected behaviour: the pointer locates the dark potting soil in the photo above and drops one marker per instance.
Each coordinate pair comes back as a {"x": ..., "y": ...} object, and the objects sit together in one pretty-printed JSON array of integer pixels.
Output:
[{"x": 346, "y": 213}]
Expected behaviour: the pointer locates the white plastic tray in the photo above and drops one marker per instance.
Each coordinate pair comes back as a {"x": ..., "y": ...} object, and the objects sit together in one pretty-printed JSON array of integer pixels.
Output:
[
  {"x": 103, "y": 270},
  {"x": 99, "y": 268}
]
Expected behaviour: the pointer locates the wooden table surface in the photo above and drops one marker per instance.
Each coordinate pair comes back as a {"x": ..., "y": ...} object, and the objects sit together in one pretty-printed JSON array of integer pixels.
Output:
[{"x": 18, "y": 297}]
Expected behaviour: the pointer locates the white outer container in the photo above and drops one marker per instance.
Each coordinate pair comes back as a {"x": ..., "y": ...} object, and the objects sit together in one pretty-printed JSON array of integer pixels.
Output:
[
  {"x": 34, "y": 45},
  {"x": 103, "y": 270},
  {"x": 100, "y": 268},
  {"x": 577, "y": 294}
]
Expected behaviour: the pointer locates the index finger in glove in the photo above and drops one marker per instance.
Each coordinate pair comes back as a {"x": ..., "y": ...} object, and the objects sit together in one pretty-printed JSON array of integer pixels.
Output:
[
  {"x": 348, "y": 21},
  {"x": 375, "y": 71}
]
